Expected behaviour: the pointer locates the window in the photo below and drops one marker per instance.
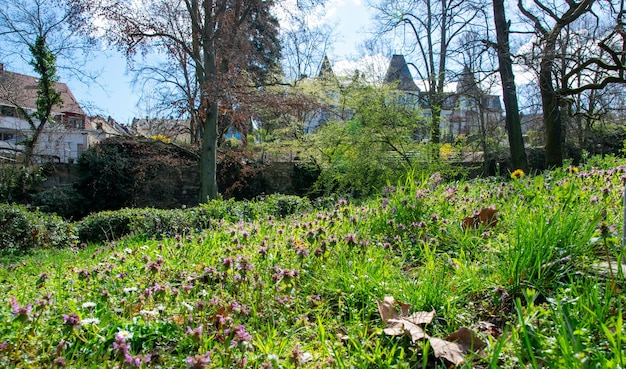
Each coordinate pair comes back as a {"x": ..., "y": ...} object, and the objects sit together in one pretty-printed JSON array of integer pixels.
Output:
[
  {"x": 8, "y": 111},
  {"x": 6, "y": 136},
  {"x": 75, "y": 122}
]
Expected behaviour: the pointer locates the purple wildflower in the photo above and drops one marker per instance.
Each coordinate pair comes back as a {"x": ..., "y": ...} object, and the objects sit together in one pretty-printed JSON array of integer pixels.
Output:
[
  {"x": 228, "y": 262},
  {"x": 136, "y": 360},
  {"x": 20, "y": 312},
  {"x": 153, "y": 267},
  {"x": 241, "y": 336},
  {"x": 72, "y": 320},
  {"x": 60, "y": 362},
  {"x": 196, "y": 334},
  {"x": 198, "y": 361}
]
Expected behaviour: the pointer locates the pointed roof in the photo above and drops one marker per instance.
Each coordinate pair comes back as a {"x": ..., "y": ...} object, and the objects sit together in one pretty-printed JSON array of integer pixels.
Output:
[
  {"x": 20, "y": 89},
  {"x": 398, "y": 72},
  {"x": 326, "y": 70},
  {"x": 467, "y": 82}
]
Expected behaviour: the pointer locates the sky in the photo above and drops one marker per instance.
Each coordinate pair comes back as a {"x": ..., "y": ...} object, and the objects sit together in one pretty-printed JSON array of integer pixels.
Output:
[{"x": 116, "y": 97}]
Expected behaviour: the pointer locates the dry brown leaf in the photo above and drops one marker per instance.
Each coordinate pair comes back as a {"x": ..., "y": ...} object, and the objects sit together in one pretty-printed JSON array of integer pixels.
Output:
[
  {"x": 179, "y": 319},
  {"x": 396, "y": 330},
  {"x": 404, "y": 309},
  {"x": 413, "y": 330},
  {"x": 485, "y": 218},
  {"x": 387, "y": 309},
  {"x": 450, "y": 351},
  {"x": 421, "y": 317},
  {"x": 400, "y": 322},
  {"x": 467, "y": 339}
]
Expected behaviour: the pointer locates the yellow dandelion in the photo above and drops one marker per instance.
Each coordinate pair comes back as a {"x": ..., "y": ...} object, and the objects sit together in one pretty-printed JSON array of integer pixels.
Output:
[
  {"x": 517, "y": 174},
  {"x": 572, "y": 170}
]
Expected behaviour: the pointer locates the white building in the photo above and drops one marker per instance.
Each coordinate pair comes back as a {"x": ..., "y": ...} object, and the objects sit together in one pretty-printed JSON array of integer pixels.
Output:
[{"x": 63, "y": 139}]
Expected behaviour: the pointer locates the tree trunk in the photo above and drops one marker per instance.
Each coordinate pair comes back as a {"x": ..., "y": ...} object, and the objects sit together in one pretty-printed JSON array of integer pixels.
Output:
[
  {"x": 208, "y": 156},
  {"x": 29, "y": 149},
  {"x": 551, "y": 106},
  {"x": 509, "y": 93},
  {"x": 208, "y": 152},
  {"x": 435, "y": 121}
]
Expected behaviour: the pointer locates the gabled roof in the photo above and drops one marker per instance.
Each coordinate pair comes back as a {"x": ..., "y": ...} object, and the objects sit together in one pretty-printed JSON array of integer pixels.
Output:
[
  {"x": 326, "y": 70},
  {"x": 21, "y": 90},
  {"x": 467, "y": 83},
  {"x": 398, "y": 72}
]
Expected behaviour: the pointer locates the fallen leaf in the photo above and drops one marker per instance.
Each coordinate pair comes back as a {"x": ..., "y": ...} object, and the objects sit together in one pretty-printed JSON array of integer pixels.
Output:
[
  {"x": 387, "y": 309},
  {"x": 467, "y": 339},
  {"x": 400, "y": 322},
  {"x": 413, "y": 330},
  {"x": 485, "y": 218},
  {"x": 404, "y": 309},
  {"x": 421, "y": 317},
  {"x": 179, "y": 319},
  {"x": 396, "y": 330},
  {"x": 450, "y": 351}
]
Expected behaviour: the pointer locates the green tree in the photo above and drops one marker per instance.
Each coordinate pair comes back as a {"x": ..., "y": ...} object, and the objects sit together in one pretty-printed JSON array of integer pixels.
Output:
[
  {"x": 44, "y": 63},
  {"x": 375, "y": 145}
]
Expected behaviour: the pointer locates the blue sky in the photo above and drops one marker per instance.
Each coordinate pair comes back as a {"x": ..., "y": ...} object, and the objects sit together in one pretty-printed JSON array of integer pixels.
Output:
[{"x": 115, "y": 96}]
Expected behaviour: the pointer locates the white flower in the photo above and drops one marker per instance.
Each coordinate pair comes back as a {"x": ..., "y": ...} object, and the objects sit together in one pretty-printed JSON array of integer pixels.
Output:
[
  {"x": 124, "y": 334},
  {"x": 128, "y": 251},
  {"x": 130, "y": 289},
  {"x": 148, "y": 312},
  {"x": 189, "y": 307},
  {"x": 88, "y": 305},
  {"x": 306, "y": 357},
  {"x": 90, "y": 321},
  {"x": 272, "y": 357}
]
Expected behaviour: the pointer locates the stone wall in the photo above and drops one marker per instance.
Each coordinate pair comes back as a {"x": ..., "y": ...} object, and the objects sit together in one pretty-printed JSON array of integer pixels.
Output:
[{"x": 180, "y": 186}]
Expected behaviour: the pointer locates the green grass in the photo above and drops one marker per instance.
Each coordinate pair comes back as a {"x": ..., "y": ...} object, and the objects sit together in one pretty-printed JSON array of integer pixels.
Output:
[{"x": 300, "y": 291}]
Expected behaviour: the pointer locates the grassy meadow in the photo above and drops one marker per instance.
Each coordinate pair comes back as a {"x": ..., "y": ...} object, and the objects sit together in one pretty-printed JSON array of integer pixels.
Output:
[{"x": 342, "y": 284}]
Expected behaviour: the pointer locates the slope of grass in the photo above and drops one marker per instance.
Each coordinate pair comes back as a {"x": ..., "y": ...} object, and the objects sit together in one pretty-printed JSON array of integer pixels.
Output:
[{"x": 301, "y": 291}]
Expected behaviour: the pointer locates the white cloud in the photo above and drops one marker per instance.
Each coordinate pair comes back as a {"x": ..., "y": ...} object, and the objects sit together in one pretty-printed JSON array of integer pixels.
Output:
[{"x": 373, "y": 66}]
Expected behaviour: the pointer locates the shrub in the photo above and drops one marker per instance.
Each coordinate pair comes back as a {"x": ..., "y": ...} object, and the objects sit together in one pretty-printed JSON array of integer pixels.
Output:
[
  {"x": 149, "y": 222},
  {"x": 105, "y": 225},
  {"x": 284, "y": 205},
  {"x": 17, "y": 182},
  {"x": 63, "y": 200},
  {"x": 124, "y": 172},
  {"x": 22, "y": 230}
]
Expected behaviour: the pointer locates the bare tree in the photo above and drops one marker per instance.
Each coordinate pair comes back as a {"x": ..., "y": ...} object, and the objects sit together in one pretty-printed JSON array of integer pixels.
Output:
[
  {"x": 303, "y": 46},
  {"x": 231, "y": 45},
  {"x": 509, "y": 89},
  {"x": 434, "y": 27},
  {"x": 40, "y": 32},
  {"x": 602, "y": 63},
  {"x": 169, "y": 88}
]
